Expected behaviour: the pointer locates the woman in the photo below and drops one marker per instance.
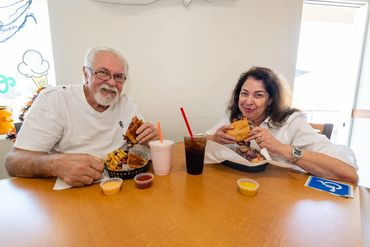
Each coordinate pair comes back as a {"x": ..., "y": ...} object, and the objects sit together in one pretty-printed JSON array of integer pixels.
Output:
[{"x": 261, "y": 97}]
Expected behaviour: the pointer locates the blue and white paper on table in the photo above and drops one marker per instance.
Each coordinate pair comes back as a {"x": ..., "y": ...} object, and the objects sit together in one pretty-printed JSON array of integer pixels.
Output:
[{"x": 333, "y": 187}]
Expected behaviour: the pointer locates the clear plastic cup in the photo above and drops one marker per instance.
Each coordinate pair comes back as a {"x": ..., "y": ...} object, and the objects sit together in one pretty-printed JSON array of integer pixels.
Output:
[
  {"x": 111, "y": 186},
  {"x": 194, "y": 151},
  {"x": 144, "y": 180},
  {"x": 247, "y": 186}
]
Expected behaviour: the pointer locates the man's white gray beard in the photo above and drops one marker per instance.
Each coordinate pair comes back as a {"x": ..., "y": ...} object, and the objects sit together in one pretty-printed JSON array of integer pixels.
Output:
[{"x": 106, "y": 100}]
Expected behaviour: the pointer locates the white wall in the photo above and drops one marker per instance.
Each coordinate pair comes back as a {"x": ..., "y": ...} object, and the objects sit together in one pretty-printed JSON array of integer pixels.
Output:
[{"x": 179, "y": 56}]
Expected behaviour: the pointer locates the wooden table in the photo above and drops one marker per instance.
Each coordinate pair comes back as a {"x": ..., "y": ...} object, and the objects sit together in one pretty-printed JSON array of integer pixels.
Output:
[{"x": 180, "y": 210}]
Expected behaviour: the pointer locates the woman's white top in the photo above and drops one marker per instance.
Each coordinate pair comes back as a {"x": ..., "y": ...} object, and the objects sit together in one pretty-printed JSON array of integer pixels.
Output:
[{"x": 298, "y": 132}]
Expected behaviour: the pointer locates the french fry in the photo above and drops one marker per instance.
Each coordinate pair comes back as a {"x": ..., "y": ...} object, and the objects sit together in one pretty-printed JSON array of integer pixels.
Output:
[{"x": 114, "y": 158}]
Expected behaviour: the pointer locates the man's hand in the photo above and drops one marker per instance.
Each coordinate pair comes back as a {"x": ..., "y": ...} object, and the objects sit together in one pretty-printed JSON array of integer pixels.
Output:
[
  {"x": 77, "y": 169},
  {"x": 147, "y": 132},
  {"x": 74, "y": 169}
]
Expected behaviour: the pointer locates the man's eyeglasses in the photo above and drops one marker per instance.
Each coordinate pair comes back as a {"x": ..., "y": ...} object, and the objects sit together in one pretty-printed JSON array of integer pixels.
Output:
[{"x": 106, "y": 75}]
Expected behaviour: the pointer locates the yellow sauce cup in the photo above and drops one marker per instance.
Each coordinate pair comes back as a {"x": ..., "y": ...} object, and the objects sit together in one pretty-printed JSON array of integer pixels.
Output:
[
  {"x": 247, "y": 186},
  {"x": 111, "y": 186}
]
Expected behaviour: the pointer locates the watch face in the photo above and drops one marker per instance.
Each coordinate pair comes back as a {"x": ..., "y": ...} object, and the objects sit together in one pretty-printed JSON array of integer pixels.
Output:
[
  {"x": 297, "y": 151},
  {"x": 296, "y": 154}
]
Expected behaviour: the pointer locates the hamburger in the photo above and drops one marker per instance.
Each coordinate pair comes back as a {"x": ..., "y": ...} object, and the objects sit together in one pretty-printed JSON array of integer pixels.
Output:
[
  {"x": 135, "y": 161},
  {"x": 130, "y": 134},
  {"x": 251, "y": 154},
  {"x": 241, "y": 129}
]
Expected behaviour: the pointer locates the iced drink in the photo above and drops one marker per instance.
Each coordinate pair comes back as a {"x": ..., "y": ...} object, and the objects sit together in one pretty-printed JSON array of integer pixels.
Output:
[
  {"x": 161, "y": 156},
  {"x": 194, "y": 152}
]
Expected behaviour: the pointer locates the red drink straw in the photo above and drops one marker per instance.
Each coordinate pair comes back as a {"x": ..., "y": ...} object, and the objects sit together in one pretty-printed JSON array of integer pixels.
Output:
[
  {"x": 186, "y": 122},
  {"x": 160, "y": 132}
]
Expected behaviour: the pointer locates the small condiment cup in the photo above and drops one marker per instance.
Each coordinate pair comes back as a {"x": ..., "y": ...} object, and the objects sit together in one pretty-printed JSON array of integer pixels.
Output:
[
  {"x": 111, "y": 186},
  {"x": 247, "y": 186},
  {"x": 144, "y": 180}
]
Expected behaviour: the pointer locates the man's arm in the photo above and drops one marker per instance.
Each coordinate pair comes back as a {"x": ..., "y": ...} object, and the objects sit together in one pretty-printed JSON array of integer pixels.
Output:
[{"x": 74, "y": 169}]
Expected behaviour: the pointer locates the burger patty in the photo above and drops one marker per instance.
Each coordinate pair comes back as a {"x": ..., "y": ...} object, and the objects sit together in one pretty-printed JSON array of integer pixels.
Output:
[{"x": 251, "y": 154}]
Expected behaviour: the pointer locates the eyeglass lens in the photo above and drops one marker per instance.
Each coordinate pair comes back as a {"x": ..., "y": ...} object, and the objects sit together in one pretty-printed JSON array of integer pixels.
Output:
[{"x": 106, "y": 75}]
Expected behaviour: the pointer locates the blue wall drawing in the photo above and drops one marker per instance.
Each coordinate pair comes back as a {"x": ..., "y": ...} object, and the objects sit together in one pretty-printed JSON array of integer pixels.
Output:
[
  {"x": 6, "y": 83},
  {"x": 13, "y": 17}
]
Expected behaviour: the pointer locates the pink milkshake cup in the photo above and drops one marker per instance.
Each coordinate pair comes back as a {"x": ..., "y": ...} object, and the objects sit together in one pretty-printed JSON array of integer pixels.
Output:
[{"x": 161, "y": 156}]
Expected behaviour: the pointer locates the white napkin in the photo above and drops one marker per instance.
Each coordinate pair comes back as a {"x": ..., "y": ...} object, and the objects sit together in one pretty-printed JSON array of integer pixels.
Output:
[
  {"x": 60, "y": 184},
  {"x": 217, "y": 153}
]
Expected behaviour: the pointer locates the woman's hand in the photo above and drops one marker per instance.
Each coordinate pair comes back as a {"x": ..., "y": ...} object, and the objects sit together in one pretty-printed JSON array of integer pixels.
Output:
[
  {"x": 221, "y": 137},
  {"x": 264, "y": 139}
]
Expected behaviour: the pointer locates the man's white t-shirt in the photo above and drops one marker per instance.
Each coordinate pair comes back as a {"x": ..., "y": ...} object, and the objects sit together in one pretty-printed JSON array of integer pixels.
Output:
[
  {"x": 61, "y": 121},
  {"x": 297, "y": 132}
]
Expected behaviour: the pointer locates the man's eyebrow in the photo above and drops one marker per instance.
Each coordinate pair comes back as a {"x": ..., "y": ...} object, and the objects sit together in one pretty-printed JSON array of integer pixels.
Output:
[
  {"x": 259, "y": 91},
  {"x": 102, "y": 68}
]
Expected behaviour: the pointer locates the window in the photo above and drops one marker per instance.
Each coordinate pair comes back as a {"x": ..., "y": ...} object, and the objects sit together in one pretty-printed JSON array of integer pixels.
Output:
[
  {"x": 328, "y": 62},
  {"x": 26, "y": 59}
]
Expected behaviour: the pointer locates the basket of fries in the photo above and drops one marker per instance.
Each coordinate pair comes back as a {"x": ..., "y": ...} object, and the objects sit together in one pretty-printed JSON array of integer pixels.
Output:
[{"x": 126, "y": 164}]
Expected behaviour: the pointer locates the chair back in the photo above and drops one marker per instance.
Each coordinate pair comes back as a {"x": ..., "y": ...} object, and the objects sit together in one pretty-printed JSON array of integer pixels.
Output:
[
  {"x": 324, "y": 129},
  {"x": 18, "y": 126}
]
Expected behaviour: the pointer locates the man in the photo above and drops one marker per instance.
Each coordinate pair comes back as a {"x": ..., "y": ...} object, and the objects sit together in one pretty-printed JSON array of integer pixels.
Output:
[{"x": 69, "y": 129}]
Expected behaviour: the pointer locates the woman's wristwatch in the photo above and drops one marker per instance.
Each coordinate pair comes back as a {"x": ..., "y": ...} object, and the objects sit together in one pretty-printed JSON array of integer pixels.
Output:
[{"x": 296, "y": 154}]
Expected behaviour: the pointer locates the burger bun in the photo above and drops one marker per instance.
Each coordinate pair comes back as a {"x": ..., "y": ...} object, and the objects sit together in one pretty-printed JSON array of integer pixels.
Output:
[{"x": 240, "y": 131}]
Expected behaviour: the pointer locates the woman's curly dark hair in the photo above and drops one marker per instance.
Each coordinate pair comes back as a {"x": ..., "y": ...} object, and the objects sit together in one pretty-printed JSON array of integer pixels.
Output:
[{"x": 279, "y": 109}]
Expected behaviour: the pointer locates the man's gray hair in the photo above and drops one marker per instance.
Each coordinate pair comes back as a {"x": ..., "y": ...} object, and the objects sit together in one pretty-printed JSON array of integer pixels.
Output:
[{"x": 93, "y": 51}]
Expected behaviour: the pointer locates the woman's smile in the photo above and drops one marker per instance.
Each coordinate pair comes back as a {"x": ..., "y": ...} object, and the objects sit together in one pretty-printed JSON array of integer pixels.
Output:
[{"x": 248, "y": 110}]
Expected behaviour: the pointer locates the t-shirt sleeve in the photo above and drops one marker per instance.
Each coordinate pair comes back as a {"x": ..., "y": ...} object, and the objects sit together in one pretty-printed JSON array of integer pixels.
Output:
[{"x": 41, "y": 129}]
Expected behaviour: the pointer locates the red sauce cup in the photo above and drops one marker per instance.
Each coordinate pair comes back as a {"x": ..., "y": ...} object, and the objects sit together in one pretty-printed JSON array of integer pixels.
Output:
[{"x": 144, "y": 180}]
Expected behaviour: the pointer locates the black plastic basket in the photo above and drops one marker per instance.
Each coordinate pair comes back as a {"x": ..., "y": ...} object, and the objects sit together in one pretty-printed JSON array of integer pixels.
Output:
[
  {"x": 129, "y": 174},
  {"x": 240, "y": 167}
]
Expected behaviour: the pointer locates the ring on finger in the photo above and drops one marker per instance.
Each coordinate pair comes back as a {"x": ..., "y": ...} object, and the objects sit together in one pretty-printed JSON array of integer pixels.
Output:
[{"x": 259, "y": 139}]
